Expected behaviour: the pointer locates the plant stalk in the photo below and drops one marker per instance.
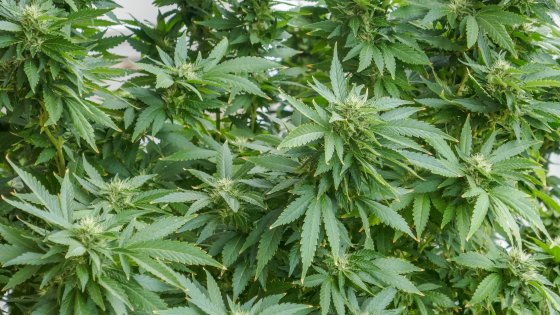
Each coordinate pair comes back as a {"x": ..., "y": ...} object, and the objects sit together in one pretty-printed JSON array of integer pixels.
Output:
[
  {"x": 218, "y": 121},
  {"x": 60, "y": 162}
]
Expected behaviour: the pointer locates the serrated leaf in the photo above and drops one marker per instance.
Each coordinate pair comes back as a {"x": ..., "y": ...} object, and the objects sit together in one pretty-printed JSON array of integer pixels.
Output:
[
  {"x": 182, "y": 197},
  {"x": 294, "y": 210},
  {"x": 219, "y": 23},
  {"x": 83, "y": 127},
  {"x": 82, "y": 14},
  {"x": 145, "y": 118},
  {"x": 244, "y": 64},
  {"x": 224, "y": 162},
  {"x": 395, "y": 280},
  {"x": 305, "y": 110},
  {"x": 389, "y": 60},
  {"x": 413, "y": 128},
  {"x": 164, "y": 80},
  {"x": 157, "y": 229},
  {"x": 274, "y": 163},
  {"x": 31, "y": 72},
  {"x": 388, "y": 216},
  {"x": 241, "y": 278},
  {"x": 174, "y": 251},
  {"x": 475, "y": 260},
  {"x": 366, "y": 55},
  {"x": 115, "y": 288},
  {"x": 325, "y": 297},
  {"x": 21, "y": 276},
  {"x": 337, "y": 77},
  {"x": 496, "y": 31},
  {"x": 157, "y": 269},
  {"x": 48, "y": 200},
  {"x": 237, "y": 82},
  {"x": 303, "y": 135},
  {"x": 503, "y": 16},
  {"x": 60, "y": 44},
  {"x": 10, "y": 27},
  {"x": 436, "y": 13},
  {"x": 465, "y": 143},
  {"x": 146, "y": 300},
  {"x": 510, "y": 149},
  {"x": 421, "y": 211},
  {"x": 487, "y": 285},
  {"x": 479, "y": 213},
  {"x": 541, "y": 83},
  {"x": 310, "y": 234},
  {"x": 472, "y": 31},
  {"x": 190, "y": 154},
  {"x": 267, "y": 247},
  {"x": 331, "y": 226},
  {"x": 354, "y": 51},
  {"x": 46, "y": 155},
  {"x": 408, "y": 54}
]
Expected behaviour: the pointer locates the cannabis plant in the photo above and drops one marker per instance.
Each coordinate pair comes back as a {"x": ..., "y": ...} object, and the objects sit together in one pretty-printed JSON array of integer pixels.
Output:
[
  {"x": 86, "y": 260},
  {"x": 366, "y": 157}
]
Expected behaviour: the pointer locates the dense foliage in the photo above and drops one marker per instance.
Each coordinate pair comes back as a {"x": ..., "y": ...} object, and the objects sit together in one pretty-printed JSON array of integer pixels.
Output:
[{"x": 349, "y": 157}]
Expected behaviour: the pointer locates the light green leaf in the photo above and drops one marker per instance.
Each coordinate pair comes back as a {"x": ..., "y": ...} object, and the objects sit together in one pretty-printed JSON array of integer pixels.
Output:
[
  {"x": 267, "y": 247},
  {"x": 388, "y": 216},
  {"x": 310, "y": 234},
  {"x": 465, "y": 143},
  {"x": 274, "y": 163},
  {"x": 31, "y": 71},
  {"x": 10, "y": 27},
  {"x": 157, "y": 229},
  {"x": 487, "y": 285},
  {"x": 294, "y": 210},
  {"x": 303, "y": 135},
  {"x": 241, "y": 278},
  {"x": 21, "y": 276},
  {"x": 413, "y": 128},
  {"x": 366, "y": 55},
  {"x": 395, "y": 280},
  {"x": 496, "y": 31},
  {"x": 331, "y": 226},
  {"x": 337, "y": 77},
  {"x": 421, "y": 212},
  {"x": 479, "y": 213},
  {"x": 114, "y": 288},
  {"x": 182, "y": 197},
  {"x": 157, "y": 269},
  {"x": 146, "y": 300},
  {"x": 244, "y": 64},
  {"x": 472, "y": 31},
  {"x": 541, "y": 83},
  {"x": 475, "y": 260},
  {"x": 224, "y": 162},
  {"x": 174, "y": 251}
]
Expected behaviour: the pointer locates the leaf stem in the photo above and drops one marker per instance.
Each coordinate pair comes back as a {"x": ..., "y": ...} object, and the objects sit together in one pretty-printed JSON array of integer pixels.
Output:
[
  {"x": 253, "y": 115},
  {"x": 463, "y": 81},
  {"x": 60, "y": 162},
  {"x": 218, "y": 121},
  {"x": 426, "y": 243}
]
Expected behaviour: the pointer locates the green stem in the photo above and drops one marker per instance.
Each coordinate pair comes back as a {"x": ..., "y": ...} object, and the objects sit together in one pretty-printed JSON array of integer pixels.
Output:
[
  {"x": 426, "y": 243},
  {"x": 253, "y": 115},
  {"x": 463, "y": 81},
  {"x": 218, "y": 121},
  {"x": 60, "y": 161},
  {"x": 385, "y": 4}
]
